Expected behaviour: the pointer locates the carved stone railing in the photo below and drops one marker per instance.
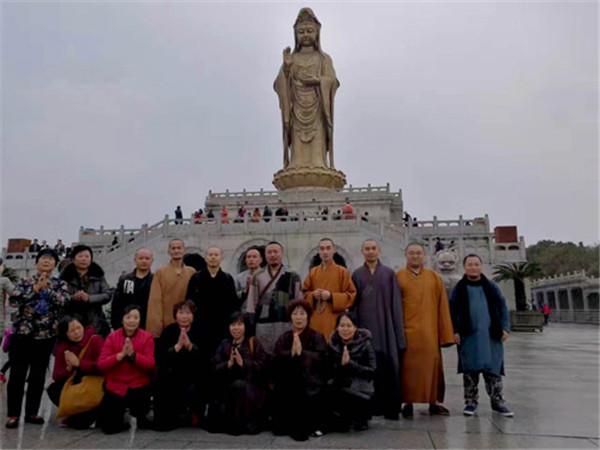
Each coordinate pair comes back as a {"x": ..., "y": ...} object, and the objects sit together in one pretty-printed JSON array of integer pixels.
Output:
[
  {"x": 444, "y": 227},
  {"x": 563, "y": 278},
  {"x": 244, "y": 194},
  {"x": 591, "y": 317}
]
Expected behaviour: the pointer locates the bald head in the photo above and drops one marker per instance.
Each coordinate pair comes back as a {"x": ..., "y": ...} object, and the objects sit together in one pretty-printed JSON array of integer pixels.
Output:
[
  {"x": 143, "y": 259},
  {"x": 415, "y": 255},
  {"x": 213, "y": 257},
  {"x": 370, "y": 251}
]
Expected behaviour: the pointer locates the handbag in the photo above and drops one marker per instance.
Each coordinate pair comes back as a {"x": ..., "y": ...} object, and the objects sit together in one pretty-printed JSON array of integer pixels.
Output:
[
  {"x": 6, "y": 338},
  {"x": 81, "y": 393}
]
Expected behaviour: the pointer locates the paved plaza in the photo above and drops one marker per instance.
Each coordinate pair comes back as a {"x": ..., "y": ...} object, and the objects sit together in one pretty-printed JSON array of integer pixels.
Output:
[{"x": 551, "y": 384}]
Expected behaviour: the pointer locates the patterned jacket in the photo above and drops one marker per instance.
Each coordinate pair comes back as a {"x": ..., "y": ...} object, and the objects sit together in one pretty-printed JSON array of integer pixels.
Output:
[{"x": 38, "y": 313}]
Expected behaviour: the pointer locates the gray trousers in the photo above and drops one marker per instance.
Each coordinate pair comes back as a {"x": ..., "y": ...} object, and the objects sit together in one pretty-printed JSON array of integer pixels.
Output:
[{"x": 493, "y": 386}]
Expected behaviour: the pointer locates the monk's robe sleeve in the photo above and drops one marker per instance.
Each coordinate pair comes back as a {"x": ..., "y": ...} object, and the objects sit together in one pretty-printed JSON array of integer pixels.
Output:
[
  {"x": 343, "y": 300},
  {"x": 154, "y": 319},
  {"x": 397, "y": 312},
  {"x": 445, "y": 329},
  {"x": 308, "y": 287},
  {"x": 297, "y": 287}
]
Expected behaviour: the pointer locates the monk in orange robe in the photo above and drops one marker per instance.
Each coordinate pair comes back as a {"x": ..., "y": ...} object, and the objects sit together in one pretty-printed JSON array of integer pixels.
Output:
[
  {"x": 169, "y": 286},
  {"x": 427, "y": 327},
  {"x": 329, "y": 289}
]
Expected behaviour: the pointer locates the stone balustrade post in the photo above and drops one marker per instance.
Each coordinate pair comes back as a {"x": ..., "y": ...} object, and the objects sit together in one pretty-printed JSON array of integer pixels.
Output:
[{"x": 165, "y": 227}]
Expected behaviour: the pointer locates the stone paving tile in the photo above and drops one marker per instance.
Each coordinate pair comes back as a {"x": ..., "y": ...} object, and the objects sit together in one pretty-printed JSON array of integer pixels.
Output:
[
  {"x": 381, "y": 439},
  {"x": 485, "y": 441},
  {"x": 551, "y": 384}
]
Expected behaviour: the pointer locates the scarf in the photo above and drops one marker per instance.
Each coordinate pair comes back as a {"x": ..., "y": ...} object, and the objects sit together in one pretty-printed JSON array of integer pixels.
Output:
[{"x": 494, "y": 304}]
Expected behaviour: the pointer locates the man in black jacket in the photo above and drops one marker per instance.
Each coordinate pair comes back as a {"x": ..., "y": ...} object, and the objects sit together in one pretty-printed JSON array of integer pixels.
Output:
[{"x": 133, "y": 288}]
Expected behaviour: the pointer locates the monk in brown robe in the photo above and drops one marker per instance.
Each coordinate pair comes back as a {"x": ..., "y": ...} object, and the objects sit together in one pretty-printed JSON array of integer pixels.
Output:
[
  {"x": 329, "y": 289},
  {"x": 169, "y": 287},
  {"x": 427, "y": 327}
]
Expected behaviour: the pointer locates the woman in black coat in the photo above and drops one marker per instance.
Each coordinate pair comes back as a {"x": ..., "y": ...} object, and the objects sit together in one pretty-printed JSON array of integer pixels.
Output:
[
  {"x": 88, "y": 288},
  {"x": 352, "y": 367},
  {"x": 179, "y": 360},
  {"x": 239, "y": 373},
  {"x": 298, "y": 373}
]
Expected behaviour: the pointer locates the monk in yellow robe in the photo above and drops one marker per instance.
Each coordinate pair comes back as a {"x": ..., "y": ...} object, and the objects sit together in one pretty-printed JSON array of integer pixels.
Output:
[
  {"x": 168, "y": 287},
  {"x": 427, "y": 327},
  {"x": 329, "y": 289}
]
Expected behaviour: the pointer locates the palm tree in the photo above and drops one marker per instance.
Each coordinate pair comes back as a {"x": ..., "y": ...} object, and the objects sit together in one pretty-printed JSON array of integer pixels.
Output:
[{"x": 518, "y": 272}]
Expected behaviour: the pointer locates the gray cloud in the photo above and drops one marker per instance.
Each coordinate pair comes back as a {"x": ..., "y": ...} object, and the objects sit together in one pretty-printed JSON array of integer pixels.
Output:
[{"x": 115, "y": 113}]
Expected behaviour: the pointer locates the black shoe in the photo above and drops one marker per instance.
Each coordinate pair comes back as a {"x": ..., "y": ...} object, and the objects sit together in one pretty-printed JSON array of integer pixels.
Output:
[
  {"x": 36, "y": 420},
  {"x": 12, "y": 422},
  {"x": 392, "y": 416},
  {"x": 143, "y": 424},
  {"x": 119, "y": 429},
  {"x": 362, "y": 426},
  {"x": 438, "y": 410},
  {"x": 408, "y": 411},
  {"x": 299, "y": 436}
]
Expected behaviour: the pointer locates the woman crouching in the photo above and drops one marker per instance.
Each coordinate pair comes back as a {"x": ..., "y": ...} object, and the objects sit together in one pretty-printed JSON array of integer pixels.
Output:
[
  {"x": 239, "y": 364},
  {"x": 127, "y": 360},
  {"x": 179, "y": 360},
  {"x": 75, "y": 355},
  {"x": 351, "y": 387},
  {"x": 298, "y": 371}
]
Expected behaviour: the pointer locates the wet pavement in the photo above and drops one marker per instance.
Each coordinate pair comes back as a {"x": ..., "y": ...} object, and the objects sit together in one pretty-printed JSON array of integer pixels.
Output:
[{"x": 551, "y": 385}]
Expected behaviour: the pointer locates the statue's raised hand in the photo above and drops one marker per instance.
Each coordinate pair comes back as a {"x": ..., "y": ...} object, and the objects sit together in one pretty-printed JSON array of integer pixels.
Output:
[{"x": 287, "y": 58}]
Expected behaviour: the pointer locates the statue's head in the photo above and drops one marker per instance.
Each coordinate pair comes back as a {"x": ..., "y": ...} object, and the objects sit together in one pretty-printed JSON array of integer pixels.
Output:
[
  {"x": 307, "y": 30},
  {"x": 446, "y": 261}
]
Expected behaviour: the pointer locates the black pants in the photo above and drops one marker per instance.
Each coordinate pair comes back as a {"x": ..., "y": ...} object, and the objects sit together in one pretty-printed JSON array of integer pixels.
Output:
[
  {"x": 77, "y": 421},
  {"x": 27, "y": 355},
  {"x": 387, "y": 398},
  {"x": 347, "y": 409},
  {"x": 296, "y": 412},
  {"x": 176, "y": 398},
  {"x": 112, "y": 408}
]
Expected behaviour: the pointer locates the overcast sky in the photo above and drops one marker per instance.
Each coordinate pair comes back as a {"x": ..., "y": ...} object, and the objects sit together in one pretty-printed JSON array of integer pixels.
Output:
[{"x": 114, "y": 113}]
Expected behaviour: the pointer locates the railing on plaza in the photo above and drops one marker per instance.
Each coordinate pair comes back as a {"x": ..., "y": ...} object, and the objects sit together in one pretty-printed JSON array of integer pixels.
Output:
[
  {"x": 576, "y": 316},
  {"x": 244, "y": 194}
]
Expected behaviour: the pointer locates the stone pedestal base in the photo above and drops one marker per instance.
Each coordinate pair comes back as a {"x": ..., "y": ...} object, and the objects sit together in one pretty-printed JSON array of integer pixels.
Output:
[{"x": 309, "y": 177}]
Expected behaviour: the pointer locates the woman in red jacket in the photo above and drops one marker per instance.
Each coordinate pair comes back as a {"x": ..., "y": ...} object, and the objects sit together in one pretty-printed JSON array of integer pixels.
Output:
[
  {"x": 127, "y": 360},
  {"x": 68, "y": 360}
]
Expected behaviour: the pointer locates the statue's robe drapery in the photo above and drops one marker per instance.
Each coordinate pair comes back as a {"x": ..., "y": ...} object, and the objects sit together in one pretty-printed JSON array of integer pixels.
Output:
[
  {"x": 307, "y": 111},
  {"x": 427, "y": 327}
]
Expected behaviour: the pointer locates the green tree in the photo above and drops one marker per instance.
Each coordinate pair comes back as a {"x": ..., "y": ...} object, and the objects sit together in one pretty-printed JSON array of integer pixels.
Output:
[
  {"x": 560, "y": 257},
  {"x": 518, "y": 273}
]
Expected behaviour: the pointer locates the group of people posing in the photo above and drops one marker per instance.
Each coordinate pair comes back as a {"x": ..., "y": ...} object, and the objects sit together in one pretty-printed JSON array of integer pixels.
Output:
[{"x": 261, "y": 350}]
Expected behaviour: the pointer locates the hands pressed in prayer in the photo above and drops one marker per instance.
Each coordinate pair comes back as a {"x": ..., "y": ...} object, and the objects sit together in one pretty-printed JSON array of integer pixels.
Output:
[
  {"x": 345, "y": 356},
  {"x": 128, "y": 347},
  {"x": 237, "y": 357},
  {"x": 41, "y": 283},
  {"x": 71, "y": 359},
  {"x": 81, "y": 296},
  {"x": 296, "y": 345},
  {"x": 127, "y": 350}
]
